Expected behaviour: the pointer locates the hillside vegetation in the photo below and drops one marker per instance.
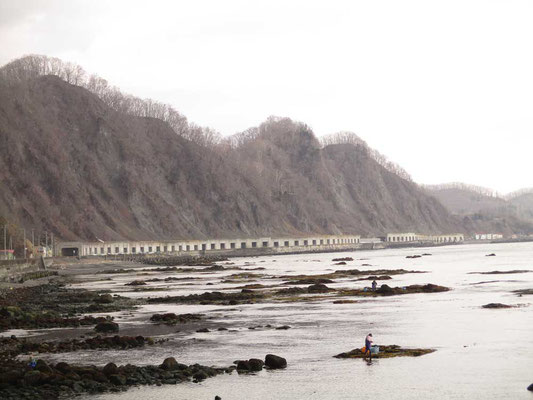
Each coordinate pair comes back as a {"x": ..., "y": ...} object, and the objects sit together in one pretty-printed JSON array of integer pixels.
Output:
[{"x": 85, "y": 161}]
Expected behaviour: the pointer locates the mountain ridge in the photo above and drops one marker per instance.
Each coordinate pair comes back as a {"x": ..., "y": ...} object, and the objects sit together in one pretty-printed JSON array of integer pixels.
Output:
[{"x": 82, "y": 168}]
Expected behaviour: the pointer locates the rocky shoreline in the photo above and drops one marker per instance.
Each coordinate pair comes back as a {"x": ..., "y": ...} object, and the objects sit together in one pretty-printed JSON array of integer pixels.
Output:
[
  {"x": 18, "y": 380},
  {"x": 53, "y": 304}
]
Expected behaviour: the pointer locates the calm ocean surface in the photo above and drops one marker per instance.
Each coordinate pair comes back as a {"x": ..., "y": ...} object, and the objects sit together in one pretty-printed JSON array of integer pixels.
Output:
[{"x": 481, "y": 353}]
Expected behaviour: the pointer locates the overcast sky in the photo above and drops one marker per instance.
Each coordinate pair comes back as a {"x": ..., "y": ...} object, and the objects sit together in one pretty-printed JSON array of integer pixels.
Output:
[{"x": 443, "y": 88}]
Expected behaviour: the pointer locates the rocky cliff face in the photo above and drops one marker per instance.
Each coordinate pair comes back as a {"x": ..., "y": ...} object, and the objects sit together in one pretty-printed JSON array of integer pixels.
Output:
[{"x": 71, "y": 164}]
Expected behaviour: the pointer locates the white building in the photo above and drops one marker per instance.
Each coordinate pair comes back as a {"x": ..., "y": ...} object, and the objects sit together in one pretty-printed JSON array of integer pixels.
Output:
[
  {"x": 282, "y": 244},
  {"x": 402, "y": 237},
  {"x": 488, "y": 236}
]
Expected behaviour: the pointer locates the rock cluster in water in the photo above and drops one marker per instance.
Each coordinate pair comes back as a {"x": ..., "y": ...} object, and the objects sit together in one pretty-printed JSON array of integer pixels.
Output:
[
  {"x": 13, "y": 346},
  {"x": 272, "y": 361},
  {"x": 386, "y": 352},
  {"x": 172, "y": 319},
  {"x": 18, "y": 380}
]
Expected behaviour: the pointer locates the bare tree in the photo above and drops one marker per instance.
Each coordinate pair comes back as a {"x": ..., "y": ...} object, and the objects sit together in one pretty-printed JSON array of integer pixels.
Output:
[{"x": 33, "y": 66}]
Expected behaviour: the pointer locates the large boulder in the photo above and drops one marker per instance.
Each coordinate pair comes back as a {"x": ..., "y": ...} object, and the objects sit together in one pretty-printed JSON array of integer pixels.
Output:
[
  {"x": 530, "y": 388},
  {"x": 255, "y": 364},
  {"x": 243, "y": 365},
  {"x": 110, "y": 369},
  {"x": 318, "y": 288},
  {"x": 275, "y": 362},
  {"x": 170, "y": 364},
  {"x": 385, "y": 289},
  {"x": 106, "y": 327}
]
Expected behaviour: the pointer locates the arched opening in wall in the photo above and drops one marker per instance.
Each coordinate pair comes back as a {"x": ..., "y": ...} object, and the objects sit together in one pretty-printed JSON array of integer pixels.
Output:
[{"x": 70, "y": 251}]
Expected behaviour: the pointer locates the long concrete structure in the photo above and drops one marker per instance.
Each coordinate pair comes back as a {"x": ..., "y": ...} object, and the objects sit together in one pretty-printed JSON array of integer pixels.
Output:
[
  {"x": 280, "y": 244},
  {"x": 411, "y": 237}
]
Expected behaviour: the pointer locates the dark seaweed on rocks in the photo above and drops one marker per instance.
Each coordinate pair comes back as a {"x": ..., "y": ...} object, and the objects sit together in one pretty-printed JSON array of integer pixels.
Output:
[
  {"x": 183, "y": 260},
  {"x": 209, "y": 298},
  {"x": 13, "y": 346},
  {"x": 49, "y": 381},
  {"x": 387, "y": 351},
  {"x": 172, "y": 319},
  {"x": 52, "y": 305}
]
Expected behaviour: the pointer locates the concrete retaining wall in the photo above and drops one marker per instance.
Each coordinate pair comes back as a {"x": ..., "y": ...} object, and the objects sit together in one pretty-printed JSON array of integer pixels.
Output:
[{"x": 9, "y": 269}]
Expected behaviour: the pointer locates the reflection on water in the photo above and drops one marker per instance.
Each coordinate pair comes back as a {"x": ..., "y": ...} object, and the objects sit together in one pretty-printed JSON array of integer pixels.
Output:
[{"x": 481, "y": 354}]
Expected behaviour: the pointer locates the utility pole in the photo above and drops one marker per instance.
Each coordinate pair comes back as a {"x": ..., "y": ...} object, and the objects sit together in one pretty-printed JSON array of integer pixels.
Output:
[
  {"x": 5, "y": 242},
  {"x": 53, "y": 246},
  {"x": 46, "y": 243},
  {"x": 33, "y": 241},
  {"x": 24, "y": 242}
]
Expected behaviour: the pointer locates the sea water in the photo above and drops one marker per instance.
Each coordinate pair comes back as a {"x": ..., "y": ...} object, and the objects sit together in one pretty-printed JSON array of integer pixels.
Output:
[{"x": 480, "y": 353}]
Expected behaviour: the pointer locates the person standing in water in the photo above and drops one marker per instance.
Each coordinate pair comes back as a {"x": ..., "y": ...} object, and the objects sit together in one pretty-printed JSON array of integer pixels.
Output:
[
  {"x": 368, "y": 345},
  {"x": 374, "y": 285}
]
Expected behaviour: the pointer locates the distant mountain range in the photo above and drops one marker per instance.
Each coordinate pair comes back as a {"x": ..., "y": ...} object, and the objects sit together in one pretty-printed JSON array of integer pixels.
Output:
[
  {"x": 83, "y": 160},
  {"x": 492, "y": 212}
]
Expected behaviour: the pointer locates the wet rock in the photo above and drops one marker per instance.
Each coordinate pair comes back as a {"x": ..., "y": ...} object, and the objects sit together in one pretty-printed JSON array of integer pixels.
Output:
[
  {"x": 343, "y": 259},
  {"x": 291, "y": 291},
  {"x": 340, "y": 263},
  {"x": 491, "y": 255},
  {"x": 309, "y": 281},
  {"x": 106, "y": 327},
  {"x": 521, "y": 292},
  {"x": 203, "y": 330},
  {"x": 171, "y": 318},
  {"x": 530, "y": 388},
  {"x": 319, "y": 288},
  {"x": 209, "y": 298},
  {"x": 183, "y": 260},
  {"x": 513, "y": 271},
  {"x": 136, "y": 283},
  {"x": 385, "y": 289},
  {"x": 118, "y": 380},
  {"x": 275, "y": 362},
  {"x": 169, "y": 364},
  {"x": 387, "y": 351},
  {"x": 283, "y": 327},
  {"x": 255, "y": 364},
  {"x": 496, "y": 305},
  {"x": 200, "y": 376},
  {"x": 104, "y": 299},
  {"x": 110, "y": 369},
  {"x": 218, "y": 398},
  {"x": 243, "y": 365}
]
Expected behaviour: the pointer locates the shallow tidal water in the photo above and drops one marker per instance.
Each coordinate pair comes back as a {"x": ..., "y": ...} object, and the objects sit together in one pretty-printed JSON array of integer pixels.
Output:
[{"x": 481, "y": 353}]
